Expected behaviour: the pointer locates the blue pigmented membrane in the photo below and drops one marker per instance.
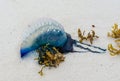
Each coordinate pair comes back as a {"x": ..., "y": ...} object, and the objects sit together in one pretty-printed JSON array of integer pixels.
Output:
[{"x": 48, "y": 31}]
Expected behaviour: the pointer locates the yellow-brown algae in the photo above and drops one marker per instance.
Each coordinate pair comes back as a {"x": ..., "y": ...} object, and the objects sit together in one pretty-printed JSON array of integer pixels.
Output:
[
  {"x": 90, "y": 36},
  {"x": 115, "y": 33},
  {"x": 113, "y": 51},
  {"x": 49, "y": 59}
]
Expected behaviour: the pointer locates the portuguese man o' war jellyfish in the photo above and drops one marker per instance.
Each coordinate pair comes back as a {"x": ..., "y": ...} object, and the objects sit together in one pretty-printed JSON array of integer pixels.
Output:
[{"x": 48, "y": 31}]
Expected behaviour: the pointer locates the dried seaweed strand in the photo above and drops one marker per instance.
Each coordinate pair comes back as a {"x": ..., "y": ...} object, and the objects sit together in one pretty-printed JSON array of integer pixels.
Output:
[
  {"x": 81, "y": 36},
  {"x": 90, "y": 36},
  {"x": 41, "y": 71}
]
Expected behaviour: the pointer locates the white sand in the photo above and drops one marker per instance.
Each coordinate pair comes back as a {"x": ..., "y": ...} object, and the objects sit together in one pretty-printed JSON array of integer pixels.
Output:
[{"x": 16, "y": 15}]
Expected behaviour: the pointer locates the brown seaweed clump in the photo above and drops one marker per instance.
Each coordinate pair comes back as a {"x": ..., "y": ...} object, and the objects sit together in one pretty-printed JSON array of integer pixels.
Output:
[{"x": 49, "y": 57}]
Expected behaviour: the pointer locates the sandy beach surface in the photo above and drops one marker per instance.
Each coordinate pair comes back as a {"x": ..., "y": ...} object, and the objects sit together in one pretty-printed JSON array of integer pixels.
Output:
[{"x": 17, "y": 15}]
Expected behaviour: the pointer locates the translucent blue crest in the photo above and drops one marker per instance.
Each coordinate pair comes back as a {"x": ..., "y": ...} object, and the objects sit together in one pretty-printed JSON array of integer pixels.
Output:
[{"x": 46, "y": 31}]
